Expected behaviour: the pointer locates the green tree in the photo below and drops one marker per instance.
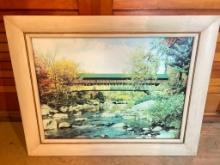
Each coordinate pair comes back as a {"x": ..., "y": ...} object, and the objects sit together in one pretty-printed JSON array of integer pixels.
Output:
[
  {"x": 167, "y": 112},
  {"x": 144, "y": 66},
  {"x": 176, "y": 52}
]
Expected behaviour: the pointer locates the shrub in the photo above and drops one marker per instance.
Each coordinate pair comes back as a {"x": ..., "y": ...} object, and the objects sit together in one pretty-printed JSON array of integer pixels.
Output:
[{"x": 167, "y": 111}]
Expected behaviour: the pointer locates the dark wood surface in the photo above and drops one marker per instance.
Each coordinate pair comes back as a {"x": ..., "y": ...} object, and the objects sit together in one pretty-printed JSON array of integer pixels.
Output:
[{"x": 8, "y": 97}]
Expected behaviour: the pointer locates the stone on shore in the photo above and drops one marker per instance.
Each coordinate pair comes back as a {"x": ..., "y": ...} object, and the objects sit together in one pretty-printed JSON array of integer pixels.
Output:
[
  {"x": 157, "y": 129},
  {"x": 60, "y": 116},
  {"x": 80, "y": 119},
  {"x": 63, "y": 109},
  {"x": 49, "y": 124},
  {"x": 64, "y": 125},
  {"x": 118, "y": 125},
  {"x": 45, "y": 110}
]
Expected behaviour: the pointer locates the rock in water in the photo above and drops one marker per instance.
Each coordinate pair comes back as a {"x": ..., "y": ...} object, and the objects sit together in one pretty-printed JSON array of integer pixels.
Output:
[
  {"x": 104, "y": 136},
  {"x": 107, "y": 114},
  {"x": 64, "y": 125},
  {"x": 157, "y": 129},
  {"x": 129, "y": 129},
  {"x": 81, "y": 119},
  {"x": 60, "y": 116},
  {"x": 146, "y": 129},
  {"x": 49, "y": 124},
  {"x": 119, "y": 125},
  {"x": 78, "y": 114}
]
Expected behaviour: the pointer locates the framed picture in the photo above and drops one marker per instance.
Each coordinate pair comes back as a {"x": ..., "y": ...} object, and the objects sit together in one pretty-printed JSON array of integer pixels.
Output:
[{"x": 112, "y": 85}]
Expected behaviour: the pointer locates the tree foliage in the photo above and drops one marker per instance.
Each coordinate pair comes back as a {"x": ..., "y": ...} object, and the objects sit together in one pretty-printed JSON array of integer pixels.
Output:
[
  {"x": 62, "y": 73},
  {"x": 176, "y": 52},
  {"x": 167, "y": 110},
  {"x": 144, "y": 66},
  {"x": 44, "y": 82},
  {"x": 54, "y": 79}
]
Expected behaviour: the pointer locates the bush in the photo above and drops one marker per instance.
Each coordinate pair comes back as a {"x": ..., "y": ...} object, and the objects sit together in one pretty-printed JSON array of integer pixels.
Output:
[
  {"x": 57, "y": 99},
  {"x": 167, "y": 111},
  {"x": 142, "y": 98}
]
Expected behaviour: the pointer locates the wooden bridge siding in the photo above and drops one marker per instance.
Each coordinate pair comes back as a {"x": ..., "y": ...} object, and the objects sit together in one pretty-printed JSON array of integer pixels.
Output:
[
  {"x": 113, "y": 82},
  {"x": 8, "y": 97}
]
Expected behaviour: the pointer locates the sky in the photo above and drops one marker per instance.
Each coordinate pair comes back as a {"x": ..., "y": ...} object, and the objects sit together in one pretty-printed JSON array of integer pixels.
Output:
[{"x": 93, "y": 55}]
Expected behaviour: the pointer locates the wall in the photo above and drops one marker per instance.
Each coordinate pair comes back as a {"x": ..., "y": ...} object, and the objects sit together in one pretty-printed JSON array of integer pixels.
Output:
[{"x": 8, "y": 99}]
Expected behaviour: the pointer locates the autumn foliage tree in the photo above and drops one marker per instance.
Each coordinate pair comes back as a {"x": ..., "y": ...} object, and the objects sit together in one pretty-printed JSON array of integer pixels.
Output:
[
  {"x": 62, "y": 73},
  {"x": 55, "y": 77},
  {"x": 44, "y": 82}
]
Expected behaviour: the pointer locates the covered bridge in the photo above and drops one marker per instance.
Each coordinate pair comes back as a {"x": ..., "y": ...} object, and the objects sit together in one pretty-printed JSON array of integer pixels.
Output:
[{"x": 114, "y": 82}]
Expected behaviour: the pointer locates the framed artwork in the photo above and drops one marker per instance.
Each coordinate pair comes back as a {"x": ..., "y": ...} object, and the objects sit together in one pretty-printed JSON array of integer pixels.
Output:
[{"x": 112, "y": 85}]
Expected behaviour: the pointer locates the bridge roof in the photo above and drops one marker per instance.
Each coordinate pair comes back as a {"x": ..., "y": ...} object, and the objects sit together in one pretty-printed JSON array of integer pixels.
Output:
[{"x": 115, "y": 76}]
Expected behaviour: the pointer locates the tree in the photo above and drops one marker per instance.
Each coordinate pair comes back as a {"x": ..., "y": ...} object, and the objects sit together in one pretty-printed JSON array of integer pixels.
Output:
[
  {"x": 44, "y": 83},
  {"x": 144, "y": 66},
  {"x": 54, "y": 78},
  {"x": 63, "y": 72},
  {"x": 176, "y": 51}
]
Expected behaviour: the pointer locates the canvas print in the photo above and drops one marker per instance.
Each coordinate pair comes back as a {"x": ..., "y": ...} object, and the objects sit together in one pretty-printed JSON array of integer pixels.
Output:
[{"x": 112, "y": 87}]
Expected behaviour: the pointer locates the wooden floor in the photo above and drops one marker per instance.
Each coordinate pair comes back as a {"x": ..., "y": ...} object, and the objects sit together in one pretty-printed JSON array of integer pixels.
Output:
[{"x": 12, "y": 151}]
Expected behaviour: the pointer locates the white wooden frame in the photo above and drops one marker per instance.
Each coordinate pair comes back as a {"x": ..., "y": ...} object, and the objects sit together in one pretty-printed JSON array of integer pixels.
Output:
[{"x": 20, "y": 28}]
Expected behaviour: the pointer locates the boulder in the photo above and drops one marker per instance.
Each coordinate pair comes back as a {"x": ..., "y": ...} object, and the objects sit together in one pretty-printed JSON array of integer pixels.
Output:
[
  {"x": 76, "y": 108},
  {"x": 104, "y": 136},
  {"x": 78, "y": 114},
  {"x": 149, "y": 135},
  {"x": 146, "y": 105},
  {"x": 64, "y": 125},
  {"x": 107, "y": 114},
  {"x": 80, "y": 119},
  {"x": 129, "y": 129},
  {"x": 86, "y": 108},
  {"x": 45, "y": 110},
  {"x": 94, "y": 102},
  {"x": 157, "y": 129},
  {"x": 73, "y": 108},
  {"x": 146, "y": 129},
  {"x": 49, "y": 124},
  {"x": 119, "y": 125},
  {"x": 63, "y": 109},
  {"x": 60, "y": 116},
  {"x": 89, "y": 108},
  {"x": 53, "y": 111}
]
